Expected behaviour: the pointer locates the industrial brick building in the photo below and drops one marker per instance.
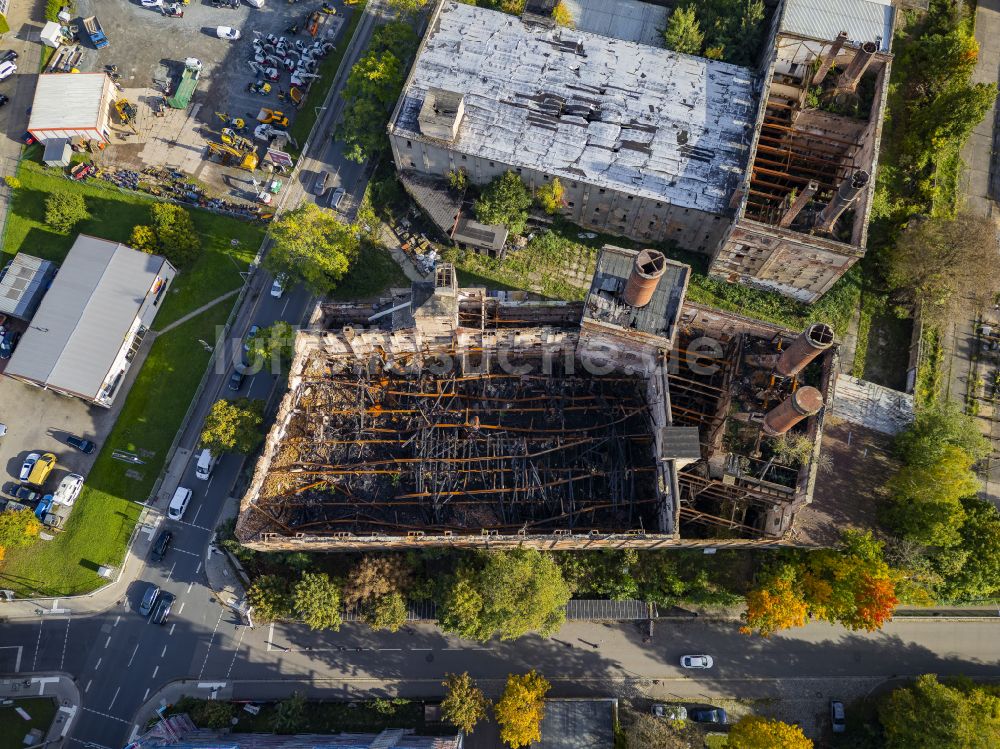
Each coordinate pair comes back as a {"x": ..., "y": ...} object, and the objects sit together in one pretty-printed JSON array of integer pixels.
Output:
[
  {"x": 765, "y": 171},
  {"x": 447, "y": 416}
]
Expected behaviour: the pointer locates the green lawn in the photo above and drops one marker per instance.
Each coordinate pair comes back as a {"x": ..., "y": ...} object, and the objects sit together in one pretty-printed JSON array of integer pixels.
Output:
[
  {"x": 113, "y": 214},
  {"x": 13, "y": 727},
  {"x": 106, "y": 511},
  {"x": 306, "y": 117}
]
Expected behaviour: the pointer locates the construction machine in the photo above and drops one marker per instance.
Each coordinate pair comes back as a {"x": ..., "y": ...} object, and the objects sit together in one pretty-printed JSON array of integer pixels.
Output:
[
  {"x": 232, "y": 157},
  {"x": 231, "y": 138},
  {"x": 128, "y": 113},
  {"x": 236, "y": 123},
  {"x": 272, "y": 117}
]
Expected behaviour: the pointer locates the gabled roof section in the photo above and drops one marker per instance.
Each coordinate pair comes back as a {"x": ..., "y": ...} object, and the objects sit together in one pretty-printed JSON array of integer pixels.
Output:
[
  {"x": 863, "y": 20},
  {"x": 82, "y": 322}
]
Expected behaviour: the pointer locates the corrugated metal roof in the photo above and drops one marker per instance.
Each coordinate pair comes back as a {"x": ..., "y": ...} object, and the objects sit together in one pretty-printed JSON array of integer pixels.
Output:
[
  {"x": 68, "y": 101},
  {"x": 616, "y": 114},
  {"x": 82, "y": 322},
  {"x": 23, "y": 285},
  {"x": 863, "y": 20}
]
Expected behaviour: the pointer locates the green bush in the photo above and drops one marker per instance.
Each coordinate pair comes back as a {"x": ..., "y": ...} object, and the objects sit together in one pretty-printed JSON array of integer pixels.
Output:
[{"x": 52, "y": 8}]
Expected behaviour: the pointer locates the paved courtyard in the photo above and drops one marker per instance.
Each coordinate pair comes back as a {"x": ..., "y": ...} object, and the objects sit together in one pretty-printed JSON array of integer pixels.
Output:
[{"x": 149, "y": 50}]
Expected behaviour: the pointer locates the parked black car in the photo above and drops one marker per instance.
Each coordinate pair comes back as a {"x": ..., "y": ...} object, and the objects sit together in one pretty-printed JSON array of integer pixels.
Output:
[
  {"x": 4, "y": 99},
  {"x": 8, "y": 55},
  {"x": 707, "y": 715},
  {"x": 162, "y": 610},
  {"x": 236, "y": 380},
  {"x": 159, "y": 549},
  {"x": 84, "y": 446},
  {"x": 24, "y": 493}
]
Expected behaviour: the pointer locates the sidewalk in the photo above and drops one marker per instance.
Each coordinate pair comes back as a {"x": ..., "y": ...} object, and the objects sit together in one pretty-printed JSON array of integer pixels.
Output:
[{"x": 60, "y": 687}]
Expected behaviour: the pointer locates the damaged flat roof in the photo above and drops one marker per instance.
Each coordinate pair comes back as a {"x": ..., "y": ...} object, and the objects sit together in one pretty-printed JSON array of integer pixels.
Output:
[{"x": 579, "y": 106}]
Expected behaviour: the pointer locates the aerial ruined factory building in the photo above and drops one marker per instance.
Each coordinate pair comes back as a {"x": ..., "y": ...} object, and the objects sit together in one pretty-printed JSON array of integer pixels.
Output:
[
  {"x": 767, "y": 171},
  {"x": 448, "y": 416}
]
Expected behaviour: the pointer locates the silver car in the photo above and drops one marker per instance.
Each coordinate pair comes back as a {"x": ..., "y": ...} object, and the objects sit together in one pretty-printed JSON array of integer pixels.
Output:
[
  {"x": 148, "y": 600},
  {"x": 697, "y": 661}
]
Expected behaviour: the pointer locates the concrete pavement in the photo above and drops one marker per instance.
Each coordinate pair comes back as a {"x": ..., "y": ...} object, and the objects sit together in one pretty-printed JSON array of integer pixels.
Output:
[{"x": 58, "y": 686}]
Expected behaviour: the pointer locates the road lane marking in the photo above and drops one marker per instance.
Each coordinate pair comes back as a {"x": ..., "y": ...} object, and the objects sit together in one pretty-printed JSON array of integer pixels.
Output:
[
  {"x": 34, "y": 661},
  {"x": 197, "y": 512},
  {"x": 103, "y": 715},
  {"x": 62, "y": 659},
  {"x": 270, "y": 638},
  {"x": 115, "y": 698},
  {"x": 210, "y": 641},
  {"x": 155, "y": 672},
  {"x": 17, "y": 662},
  {"x": 133, "y": 655},
  {"x": 282, "y": 314},
  {"x": 236, "y": 652},
  {"x": 191, "y": 584},
  {"x": 172, "y": 628},
  {"x": 181, "y": 609},
  {"x": 185, "y": 551},
  {"x": 117, "y": 619},
  {"x": 135, "y": 728},
  {"x": 197, "y": 569},
  {"x": 171, "y": 573},
  {"x": 98, "y": 664},
  {"x": 107, "y": 642},
  {"x": 164, "y": 651},
  {"x": 87, "y": 688}
]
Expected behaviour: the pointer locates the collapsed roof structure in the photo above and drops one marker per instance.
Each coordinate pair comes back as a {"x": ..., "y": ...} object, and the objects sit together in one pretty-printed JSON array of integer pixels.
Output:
[{"x": 454, "y": 416}]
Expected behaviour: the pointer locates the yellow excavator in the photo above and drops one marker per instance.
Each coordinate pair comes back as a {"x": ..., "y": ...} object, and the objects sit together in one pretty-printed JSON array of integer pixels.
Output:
[
  {"x": 231, "y": 138},
  {"x": 233, "y": 156},
  {"x": 128, "y": 112},
  {"x": 272, "y": 117},
  {"x": 238, "y": 123}
]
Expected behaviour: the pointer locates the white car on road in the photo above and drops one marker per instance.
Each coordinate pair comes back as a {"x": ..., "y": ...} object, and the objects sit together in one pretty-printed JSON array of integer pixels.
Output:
[
  {"x": 7, "y": 69},
  {"x": 697, "y": 661},
  {"x": 227, "y": 32}
]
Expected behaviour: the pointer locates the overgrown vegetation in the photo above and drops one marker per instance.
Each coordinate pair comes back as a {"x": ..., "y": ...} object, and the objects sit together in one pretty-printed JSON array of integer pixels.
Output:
[
  {"x": 372, "y": 88},
  {"x": 312, "y": 247},
  {"x": 727, "y": 30},
  {"x": 947, "y": 538}
]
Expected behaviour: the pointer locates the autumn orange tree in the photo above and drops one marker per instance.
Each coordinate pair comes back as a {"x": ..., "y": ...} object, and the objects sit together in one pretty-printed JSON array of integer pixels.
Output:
[
  {"x": 851, "y": 585},
  {"x": 521, "y": 708},
  {"x": 775, "y": 605},
  {"x": 756, "y": 732}
]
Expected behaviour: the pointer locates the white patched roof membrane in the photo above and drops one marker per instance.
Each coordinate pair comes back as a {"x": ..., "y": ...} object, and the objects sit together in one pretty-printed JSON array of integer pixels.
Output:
[{"x": 579, "y": 106}]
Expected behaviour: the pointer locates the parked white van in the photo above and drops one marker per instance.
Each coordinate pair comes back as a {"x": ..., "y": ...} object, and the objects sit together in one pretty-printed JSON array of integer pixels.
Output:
[
  {"x": 205, "y": 464},
  {"x": 179, "y": 503}
]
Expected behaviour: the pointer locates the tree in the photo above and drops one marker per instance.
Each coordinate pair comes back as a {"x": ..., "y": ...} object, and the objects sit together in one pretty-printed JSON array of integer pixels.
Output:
[
  {"x": 562, "y": 16},
  {"x": 520, "y": 710},
  {"x": 176, "y": 237},
  {"x": 937, "y": 260},
  {"x": 274, "y": 345},
  {"x": 505, "y": 200},
  {"x": 978, "y": 574},
  {"x": 511, "y": 594},
  {"x": 926, "y": 499},
  {"x": 550, "y": 196},
  {"x": 143, "y": 239},
  {"x": 233, "y": 426},
  {"x": 465, "y": 704},
  {"x": 290, "y": 714},
  {"x": 407, "y": 6},
  {"x": 931, "y": 714},
  {"x": 732, "y": 30},
  {"x": 312, "y": 246},
  {"x": 270, "y": 597},
  {"x": 17, "y": 529},
  {"x": 757, "y": 732},
  {"x": 683, "y": 33},
  {"x": 316, "y": 600},
  {"x": 935, "y": 428},
  {"x": 386, "y": 612},
  {"x": 64, "y": 210},
  {"x": 774, "y": 606},
  {"x": 374, "y": 576},
  {"x": 458, "y": 180}
]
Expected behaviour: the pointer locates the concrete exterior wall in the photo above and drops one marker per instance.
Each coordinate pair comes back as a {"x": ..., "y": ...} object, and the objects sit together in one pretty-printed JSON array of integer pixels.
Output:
[{"x": 589, "y": 206}]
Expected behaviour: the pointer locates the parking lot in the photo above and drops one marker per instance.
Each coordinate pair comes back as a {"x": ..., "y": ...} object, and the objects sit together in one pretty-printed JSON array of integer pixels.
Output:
[
  {"x": 149, "y": 49},
  {"x": 38, "y": 421}
]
